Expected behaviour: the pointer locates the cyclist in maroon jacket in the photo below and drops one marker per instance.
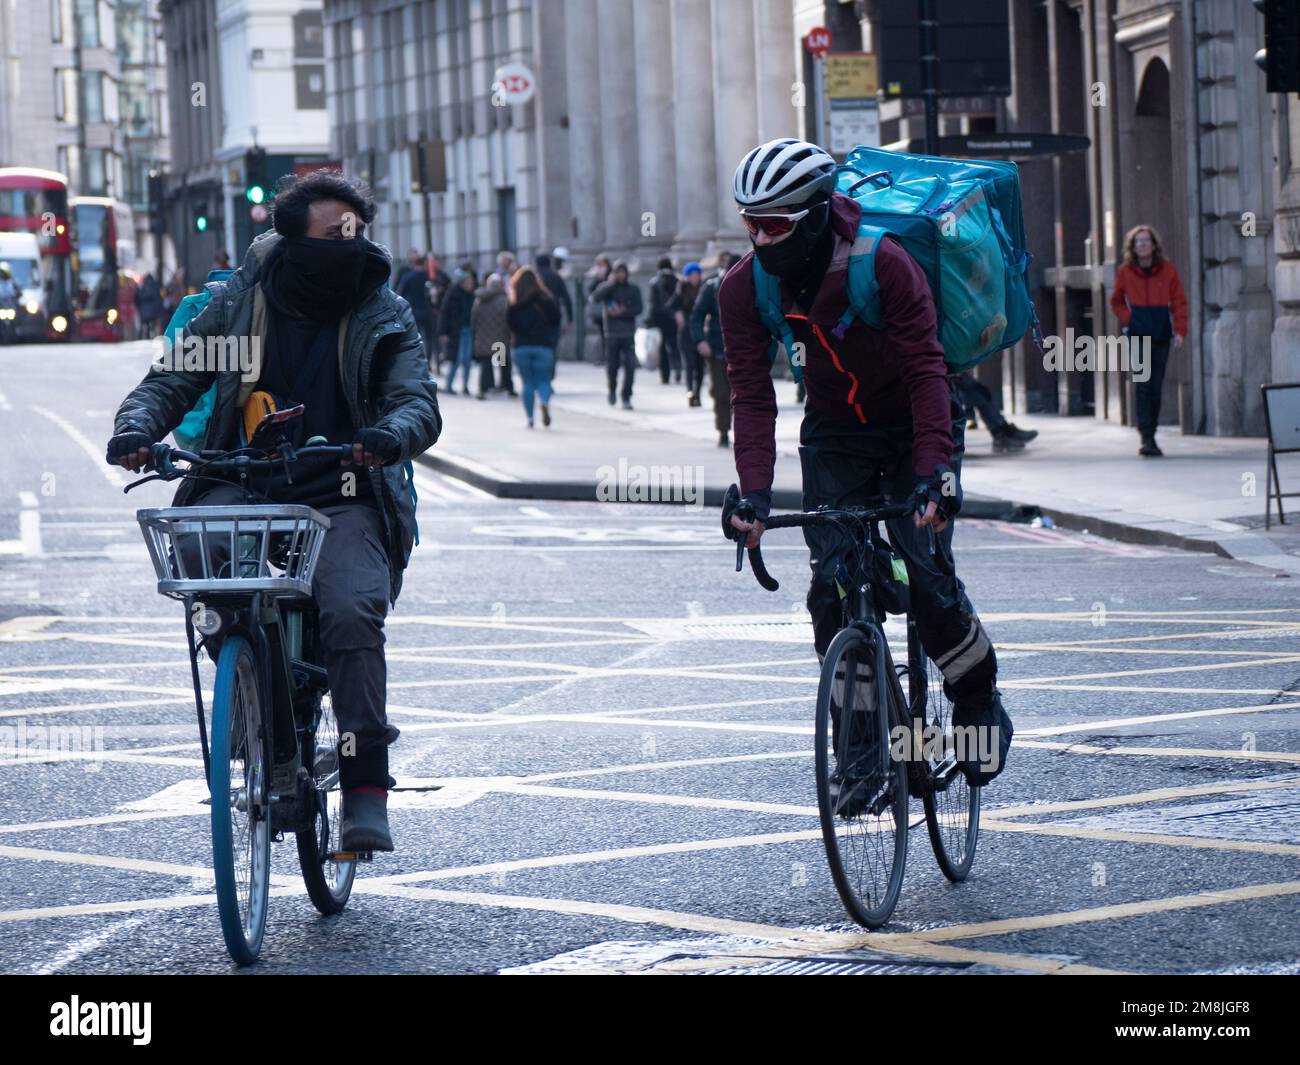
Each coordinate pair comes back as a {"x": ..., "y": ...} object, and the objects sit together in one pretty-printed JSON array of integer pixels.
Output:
[{"x": 881, "y": 416}]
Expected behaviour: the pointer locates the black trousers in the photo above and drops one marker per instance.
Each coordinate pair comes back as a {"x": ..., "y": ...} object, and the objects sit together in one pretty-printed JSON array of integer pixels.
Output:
[
  {"x": 693, "y": 361},
  {"x": 669, "y": 358},
  {"x": 845, "y": 463},
  {"x": 350, "y": 587},
  {"x": 620, "y": 351},
  {"x": 1146, "y": 394},
  {"x": 975, "y": 396},
  {"x": 720, "y": 390}
]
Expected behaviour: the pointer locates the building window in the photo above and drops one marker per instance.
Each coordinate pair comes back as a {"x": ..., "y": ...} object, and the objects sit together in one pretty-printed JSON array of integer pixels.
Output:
[
  {"x": 506, "y": 218},
  {"x": 95, "y": 180},
  {"x": 87, "y": 16},
  {"x": 308, "y": 36},
  {"x": 310, "y": 86},
  {"x": 92, "y": 96}
]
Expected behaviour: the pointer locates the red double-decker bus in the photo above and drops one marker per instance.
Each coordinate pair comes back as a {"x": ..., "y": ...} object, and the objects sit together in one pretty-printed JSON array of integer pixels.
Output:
[
  {"x": 36, "y": 201},
  {"x": 105, "y": 241}
]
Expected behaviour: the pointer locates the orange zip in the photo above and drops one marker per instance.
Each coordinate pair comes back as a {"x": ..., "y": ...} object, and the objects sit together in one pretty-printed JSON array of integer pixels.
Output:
[{"x": 835, "y": 359}]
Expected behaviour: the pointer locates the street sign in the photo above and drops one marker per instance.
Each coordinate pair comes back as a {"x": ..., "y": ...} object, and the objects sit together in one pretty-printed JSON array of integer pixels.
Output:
[
  {"x": 1006, "y": 145},
  {"x": 854, "y": 122},
  {"x": 515, "y": 83},
  {"x": 851, "y": 76},
  {"x": 818, "y": 41}
]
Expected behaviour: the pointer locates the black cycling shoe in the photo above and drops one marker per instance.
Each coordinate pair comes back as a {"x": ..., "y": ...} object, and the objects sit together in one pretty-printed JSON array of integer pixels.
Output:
[
  {"x": 978, "y": 773},
  {"x": 1023, "y": 435},
  {"x": 365, "y": 822}
]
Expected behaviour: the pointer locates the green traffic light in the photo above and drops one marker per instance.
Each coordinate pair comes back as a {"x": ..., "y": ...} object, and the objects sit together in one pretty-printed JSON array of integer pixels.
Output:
[
  {"x": 201, "y": 223},
  {"x": 255, "y": 194}
]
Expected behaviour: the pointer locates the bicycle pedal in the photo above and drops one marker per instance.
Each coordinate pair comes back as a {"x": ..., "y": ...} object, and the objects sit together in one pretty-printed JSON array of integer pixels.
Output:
[{"x": 352, "y": 856}]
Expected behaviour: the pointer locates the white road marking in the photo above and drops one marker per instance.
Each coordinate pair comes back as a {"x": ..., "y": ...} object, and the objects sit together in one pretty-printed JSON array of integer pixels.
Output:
[
  {"x": 113, "y": 474},
  {"x": 85, "y": 945}
]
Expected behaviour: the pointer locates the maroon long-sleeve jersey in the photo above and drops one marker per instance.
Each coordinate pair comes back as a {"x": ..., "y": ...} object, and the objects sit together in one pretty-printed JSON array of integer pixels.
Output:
[{"x": 868, "y": 375}]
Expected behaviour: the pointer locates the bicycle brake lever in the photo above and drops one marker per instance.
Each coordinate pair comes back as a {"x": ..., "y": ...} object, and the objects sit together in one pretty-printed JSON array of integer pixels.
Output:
[
  {"x": 144, "y": 480},
  {"x": 740, "y": 553}
]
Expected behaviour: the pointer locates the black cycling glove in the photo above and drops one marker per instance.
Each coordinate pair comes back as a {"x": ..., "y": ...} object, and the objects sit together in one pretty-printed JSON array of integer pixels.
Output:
[
  {"x": 126, "y": 444},
  {"x": 759, "y": 501},
  {"x": 381, "y": 443},
  {"x": 942, "y": 488}
]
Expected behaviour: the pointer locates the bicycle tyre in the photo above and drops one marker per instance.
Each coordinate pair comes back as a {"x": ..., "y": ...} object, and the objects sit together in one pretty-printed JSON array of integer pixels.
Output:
[
  {"x": 952, "y": 812},
  {"x": 329, "y": 882},
  {"x": 884, "y": 785},
  {"x": 241, "y": 838}
]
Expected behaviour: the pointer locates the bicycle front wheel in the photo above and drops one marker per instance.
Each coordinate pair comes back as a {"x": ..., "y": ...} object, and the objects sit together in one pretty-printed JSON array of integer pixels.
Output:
[
  {"x": 861, "y": 788},
  {"x": 329, "y": 882},
  {"x": 952, "y": 806},
  {"x": 241, "y": 837}
]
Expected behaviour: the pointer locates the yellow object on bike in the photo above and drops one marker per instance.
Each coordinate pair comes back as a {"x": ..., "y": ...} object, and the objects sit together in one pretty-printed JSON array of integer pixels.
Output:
[{"x": 256, "y": 407}]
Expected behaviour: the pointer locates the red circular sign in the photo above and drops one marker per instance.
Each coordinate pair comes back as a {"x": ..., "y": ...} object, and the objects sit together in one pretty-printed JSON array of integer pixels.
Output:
[
  {"x": 258, "y": 213},
  {"x": 818, "y": 41}
]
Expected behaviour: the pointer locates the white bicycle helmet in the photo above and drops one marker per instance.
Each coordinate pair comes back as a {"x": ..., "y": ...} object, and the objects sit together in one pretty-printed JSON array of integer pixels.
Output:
[{"x": 782, "y": 173}]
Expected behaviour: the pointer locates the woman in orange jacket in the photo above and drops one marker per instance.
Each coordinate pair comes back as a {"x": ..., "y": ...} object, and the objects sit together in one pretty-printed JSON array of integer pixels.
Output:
[{"x": 1149, "y": 302}]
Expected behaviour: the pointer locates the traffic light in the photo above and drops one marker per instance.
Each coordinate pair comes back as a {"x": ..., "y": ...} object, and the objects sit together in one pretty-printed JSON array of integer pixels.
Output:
[
  {"x": 255, "y": 175},
  {"x": 1280, "y": 56},
  {"x": 201, "y": 220}
]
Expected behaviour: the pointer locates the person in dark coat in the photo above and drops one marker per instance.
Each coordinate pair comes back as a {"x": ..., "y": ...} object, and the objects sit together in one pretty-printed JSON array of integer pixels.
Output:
[
  {"x": 662, "y": 289},
  {"x": 148, "y": 306},
  {"x": 454, "y": 324},
  {"x": 414, "y": 287},
  {"x": 680, "y": 308},
  {"x": 620, "y": 303}
]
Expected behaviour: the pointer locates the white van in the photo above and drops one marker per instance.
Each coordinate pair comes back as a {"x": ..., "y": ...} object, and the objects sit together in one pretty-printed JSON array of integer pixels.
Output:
[{"x": 21, "y": 256}]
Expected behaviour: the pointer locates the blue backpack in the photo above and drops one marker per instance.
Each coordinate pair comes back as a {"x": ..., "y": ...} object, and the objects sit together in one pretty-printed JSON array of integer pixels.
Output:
[
  {"x": 961, "y": 221},
  {"x": 189, "y": 435}
]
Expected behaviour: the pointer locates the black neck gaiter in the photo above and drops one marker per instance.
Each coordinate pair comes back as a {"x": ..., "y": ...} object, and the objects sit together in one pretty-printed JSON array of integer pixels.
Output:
[{"x": 319, "y": 279}]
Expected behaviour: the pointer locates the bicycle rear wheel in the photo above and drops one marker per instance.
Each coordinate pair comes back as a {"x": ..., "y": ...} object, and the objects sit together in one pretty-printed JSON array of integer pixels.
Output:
[
  {"x": 861, "y": 789},
  {"x": 329, "y": 882},
  {"x": 241, "y": 837},
  {"x": 952, "y": 806}
]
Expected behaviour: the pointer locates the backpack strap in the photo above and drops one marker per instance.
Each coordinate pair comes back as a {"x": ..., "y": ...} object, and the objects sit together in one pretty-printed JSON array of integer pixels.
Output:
[
  {"x": 767, "y": 295},
  {"x": 863, "y": 289}
]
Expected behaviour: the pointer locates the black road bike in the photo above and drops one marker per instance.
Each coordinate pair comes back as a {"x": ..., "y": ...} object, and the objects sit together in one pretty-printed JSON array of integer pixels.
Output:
[{"x": 875, "y": 744}]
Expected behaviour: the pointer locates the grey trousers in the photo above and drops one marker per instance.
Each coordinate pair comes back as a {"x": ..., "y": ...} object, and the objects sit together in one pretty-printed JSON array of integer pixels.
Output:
[{"x": 350, "y": 587}]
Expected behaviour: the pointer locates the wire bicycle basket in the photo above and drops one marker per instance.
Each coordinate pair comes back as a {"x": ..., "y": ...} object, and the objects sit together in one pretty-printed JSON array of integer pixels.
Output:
[{"x": 233, "y": 550}]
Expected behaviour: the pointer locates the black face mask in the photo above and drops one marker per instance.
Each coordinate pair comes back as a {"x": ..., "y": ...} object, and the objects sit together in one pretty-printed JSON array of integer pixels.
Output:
[
  {"x": 321, "y": 278},
  {"x": 793, "y": 257}
]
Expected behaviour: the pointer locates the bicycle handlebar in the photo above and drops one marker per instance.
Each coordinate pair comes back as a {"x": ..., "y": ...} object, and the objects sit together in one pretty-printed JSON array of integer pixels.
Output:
[
  {"x": 835, "y": 517},
  {"x": 163, "y": 457}
]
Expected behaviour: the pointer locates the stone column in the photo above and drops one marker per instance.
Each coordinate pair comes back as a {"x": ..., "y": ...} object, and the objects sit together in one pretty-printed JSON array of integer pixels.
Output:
[
  {"x": 550, "y": 105},
  {"x": 695, "y": 165},
  {"x": 773, "y": 45},
  {"x": 653, "y": 58},
  {"x": 735, "y": 109},
  {"x": 617, "y": 160},
  {"x": 582, "y": 86}
]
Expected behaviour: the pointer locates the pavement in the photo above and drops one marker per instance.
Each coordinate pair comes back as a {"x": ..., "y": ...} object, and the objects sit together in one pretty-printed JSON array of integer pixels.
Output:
[{"x": 1206, "y": 494}]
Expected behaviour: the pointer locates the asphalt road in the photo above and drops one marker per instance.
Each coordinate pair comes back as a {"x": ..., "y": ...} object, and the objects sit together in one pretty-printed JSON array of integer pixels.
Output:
[{"x": 606, "y": 753}]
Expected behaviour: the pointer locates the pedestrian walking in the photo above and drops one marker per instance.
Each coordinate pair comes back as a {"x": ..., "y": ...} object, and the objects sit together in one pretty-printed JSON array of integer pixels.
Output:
[
  {"x": 491, "y": 333},
  {"x": 620, "y": 303},
  {"x": 454, "y": 325},
  {"x": 680, "y": 307},
  {"x": 662, "y": 289},
  {"x": 706, "y": 331},
  {"x": 975, "y": 396},
  {"x": 149, "y": 306},
  {"x": 597, "y": 276},
  {"x": 413, "y": 285},
  {"x": 549, "y": 275},
  {"x": 1149, "y": 302},
  {"x": 534, "y": 317}
]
